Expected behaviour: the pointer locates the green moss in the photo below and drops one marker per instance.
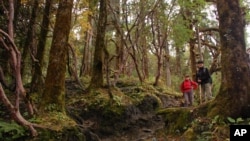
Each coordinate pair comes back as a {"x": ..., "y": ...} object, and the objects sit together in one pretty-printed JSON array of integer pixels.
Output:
[
  {"x": 54, "y": 121},
  {"x": 217, "y": 107},
  {"x": 110, "y": 108},
  {"x": 56, "y": 126},
  {"x": 176, "y": 119},
  {"x": 101, "y": 98},
  {"x": 66, "y": 134},
  {"x": 189, "y": 135}
]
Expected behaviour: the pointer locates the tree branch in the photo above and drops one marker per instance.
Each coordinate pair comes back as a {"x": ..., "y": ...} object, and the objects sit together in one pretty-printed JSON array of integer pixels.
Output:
[{"x": 15, "y": 58}]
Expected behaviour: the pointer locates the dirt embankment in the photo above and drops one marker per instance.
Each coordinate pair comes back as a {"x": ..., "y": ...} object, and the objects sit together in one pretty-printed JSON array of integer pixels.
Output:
[{"x": 130, "y": 115}]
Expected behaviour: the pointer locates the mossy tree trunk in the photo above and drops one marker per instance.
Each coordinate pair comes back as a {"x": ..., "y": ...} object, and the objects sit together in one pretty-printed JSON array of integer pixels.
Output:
[
  {"x": 233, "y": 98},
  {"x": 97, "y": 73},
  {"x": 53, "y": 97},
  {"x": 37, "y": 81},
  {"x": 87, "y": 52},
  {"x": 29, "y": 45}
]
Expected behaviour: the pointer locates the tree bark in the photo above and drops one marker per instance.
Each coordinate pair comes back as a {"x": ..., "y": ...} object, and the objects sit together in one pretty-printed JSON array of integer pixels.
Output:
[
  {"x": 192, "y": 58},
  {"x": 142, "y": 39},
  {"x": 54, "y": 91},
  {"x": 29, "y": 45},
  {"x": 15, "y": 57},
  {"x": 37, "y": 81},
  {"x": 233, "y": 98},
  {"x": 97, "y": 73},
  {"x": 167, "y": 66},
  {"x": 11, "y": 19},
  {"x": 87, "y": 52}
]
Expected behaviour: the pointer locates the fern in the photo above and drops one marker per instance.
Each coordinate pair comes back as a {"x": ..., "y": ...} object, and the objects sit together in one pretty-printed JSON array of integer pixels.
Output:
[{"x": 11, "y": 130}]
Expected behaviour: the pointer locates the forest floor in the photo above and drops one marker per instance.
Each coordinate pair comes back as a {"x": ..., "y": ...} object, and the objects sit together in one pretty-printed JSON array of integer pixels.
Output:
[
  {"x": 142, "y": 122},
  {"x": 131, "y": 115}
]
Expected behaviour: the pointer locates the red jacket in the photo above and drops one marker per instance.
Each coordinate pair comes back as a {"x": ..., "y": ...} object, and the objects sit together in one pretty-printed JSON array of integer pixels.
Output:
[{"x": 187, "y": 85}]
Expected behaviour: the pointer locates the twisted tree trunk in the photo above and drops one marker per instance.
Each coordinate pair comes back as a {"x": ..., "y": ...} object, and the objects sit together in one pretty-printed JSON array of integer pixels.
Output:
[{"x": 15, "y": 58}]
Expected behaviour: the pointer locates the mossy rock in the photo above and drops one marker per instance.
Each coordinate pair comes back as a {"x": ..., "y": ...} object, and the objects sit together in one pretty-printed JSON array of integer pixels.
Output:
[
  {"x": 56, "y": 126},
  {"x": 177, "y": 120},
  {"x": 102, "y": 111}
]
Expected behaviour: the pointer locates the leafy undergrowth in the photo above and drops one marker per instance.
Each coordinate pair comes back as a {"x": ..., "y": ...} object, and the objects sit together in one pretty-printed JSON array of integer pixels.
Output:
[
  {"x": 11, "y": 131},
  {"x": 184, "y": 124}
]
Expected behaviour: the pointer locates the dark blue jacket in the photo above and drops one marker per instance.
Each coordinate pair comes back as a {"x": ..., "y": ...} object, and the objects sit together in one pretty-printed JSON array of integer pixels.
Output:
[{"x": 203, "y": 75}]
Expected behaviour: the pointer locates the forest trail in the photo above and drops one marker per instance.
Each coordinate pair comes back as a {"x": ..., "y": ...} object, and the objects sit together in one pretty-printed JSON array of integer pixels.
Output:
[{"x": 142, "y": 122}]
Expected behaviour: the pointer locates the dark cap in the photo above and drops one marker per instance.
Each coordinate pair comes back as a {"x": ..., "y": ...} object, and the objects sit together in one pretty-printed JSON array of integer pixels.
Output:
[{"x": 200, "y": 62}]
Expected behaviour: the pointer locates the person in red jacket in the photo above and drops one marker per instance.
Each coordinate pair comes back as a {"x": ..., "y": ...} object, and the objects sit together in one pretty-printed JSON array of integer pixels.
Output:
[{"x": 187, "y": 87}]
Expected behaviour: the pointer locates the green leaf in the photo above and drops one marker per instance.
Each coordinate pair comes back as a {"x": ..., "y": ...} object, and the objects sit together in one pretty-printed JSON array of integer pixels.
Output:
[
  {"x": 239, "y": 120},
  {"x": 231, "y": 120},
  {"x": 215, "y": 119}
]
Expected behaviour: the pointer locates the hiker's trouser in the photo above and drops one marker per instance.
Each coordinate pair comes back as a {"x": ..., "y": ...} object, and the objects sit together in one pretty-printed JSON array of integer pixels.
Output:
[
  {"x": 206, "y": 93},
  {"x": 189, "y": 97}
]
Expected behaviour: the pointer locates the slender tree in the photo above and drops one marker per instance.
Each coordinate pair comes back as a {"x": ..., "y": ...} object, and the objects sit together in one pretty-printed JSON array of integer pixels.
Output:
[
  {"x": 37, "y": 78},
  {"x": 11, "y": 19},
  {"x": 85, "y": 69},
  {"x": 29, "y": 45},
  {"x": 97, "y": 72}
]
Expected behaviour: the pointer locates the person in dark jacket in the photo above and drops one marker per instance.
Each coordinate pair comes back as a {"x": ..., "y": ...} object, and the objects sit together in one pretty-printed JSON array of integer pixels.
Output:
[
  {"x": 203, "y": 78},
  {"x": 187, "y": 87}
]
